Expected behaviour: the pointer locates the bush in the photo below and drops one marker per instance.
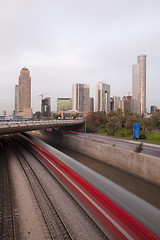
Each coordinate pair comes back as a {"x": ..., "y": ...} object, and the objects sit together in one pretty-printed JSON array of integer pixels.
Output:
[
  {"x": 123, "y": 134},
  {"x": 139, "y": 148},
  {"x": 142, "y": 136}
]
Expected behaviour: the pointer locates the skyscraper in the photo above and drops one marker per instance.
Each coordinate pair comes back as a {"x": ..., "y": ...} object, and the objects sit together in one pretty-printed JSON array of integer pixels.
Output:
[
  {"x": 81, "y": 97},
  {"x": 24, "y": 94},
  {"x": 16, "y": 99},
  {"x": 139, "y": 85},
  {"x": 102, "y": 97}
]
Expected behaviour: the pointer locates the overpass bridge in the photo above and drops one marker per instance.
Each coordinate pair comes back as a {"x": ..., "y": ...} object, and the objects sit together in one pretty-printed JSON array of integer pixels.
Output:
[{"x": 7, "y": 127}]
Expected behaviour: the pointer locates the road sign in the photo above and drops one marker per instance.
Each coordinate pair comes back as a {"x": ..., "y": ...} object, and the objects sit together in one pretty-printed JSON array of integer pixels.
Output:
[{"x": 135, "y": 130}]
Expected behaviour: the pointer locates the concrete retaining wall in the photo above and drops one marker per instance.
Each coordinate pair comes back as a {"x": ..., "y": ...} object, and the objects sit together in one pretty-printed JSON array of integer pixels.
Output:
[{"x": 141, "y": 165}]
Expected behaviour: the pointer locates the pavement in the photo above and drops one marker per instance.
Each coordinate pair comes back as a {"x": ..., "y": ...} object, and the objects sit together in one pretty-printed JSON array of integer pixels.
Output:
[{"x": 148, "y": 148}]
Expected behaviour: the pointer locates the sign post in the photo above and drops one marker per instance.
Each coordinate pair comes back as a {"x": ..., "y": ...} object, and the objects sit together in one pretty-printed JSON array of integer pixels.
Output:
[{"x": 135, "y": 130}]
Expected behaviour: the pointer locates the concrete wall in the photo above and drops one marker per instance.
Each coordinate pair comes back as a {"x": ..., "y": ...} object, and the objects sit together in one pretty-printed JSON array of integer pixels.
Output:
[{"x": 141, "y": 165}]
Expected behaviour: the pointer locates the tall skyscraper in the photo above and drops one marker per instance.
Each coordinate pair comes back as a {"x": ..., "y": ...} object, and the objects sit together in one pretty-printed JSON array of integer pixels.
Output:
[
  {"x": 102, "y": 97},
  {"x": 81, "y": 97},
  {"x": 139, "y": 85},
  {"x": 16, "y": 99},
  {"x": 24, "y": 94}
]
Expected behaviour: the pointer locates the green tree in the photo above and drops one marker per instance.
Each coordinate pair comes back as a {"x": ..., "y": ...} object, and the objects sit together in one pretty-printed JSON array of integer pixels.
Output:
[
  {"x": 102, "y": 117},
  {"x": 145, "y": 123},
  {"x": 92, "y": 121},
  {"x": 156, "y": 118},
  {"x": 114, "y": 124},
  {"x": 132, "y": 119}
]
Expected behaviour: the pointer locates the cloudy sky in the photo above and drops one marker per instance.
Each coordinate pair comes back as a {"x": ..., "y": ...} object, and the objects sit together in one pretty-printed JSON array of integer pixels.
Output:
[{"x": 69, "y": 41}]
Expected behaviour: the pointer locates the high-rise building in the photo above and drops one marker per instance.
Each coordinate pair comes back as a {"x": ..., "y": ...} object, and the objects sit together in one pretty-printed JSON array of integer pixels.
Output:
[
  {"x": 46, "y": 107},
  {"x": 64, "y": 104},
  {"x": 24, "y": 94},
  {"x": 16, "y": 99},
  {"x": 116, "y": 103},
  {"x": 81, "y": 97},
  {"x": 153, "y": 109},
  {"x": 139, "y": 85},
  {"x": 91, "y": 104},
  {"x": 126, "y": 103},
  {"x": 102, "y": 97}
]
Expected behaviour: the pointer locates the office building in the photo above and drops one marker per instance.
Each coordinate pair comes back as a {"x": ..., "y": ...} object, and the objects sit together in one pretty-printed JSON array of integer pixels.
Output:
[
  {"x": 116, "y": 104},
  {"x": 153, "y": 109},
  {"x": 126, "y": 103},
  {"x": 102, "y": 97},
  {"x": 81, "y": 97},
  {"x": 111, "y": 104},
  {"x": 64, "y": 104},
  {"x": 46, "y": 107},
  {"x": 16, "y": 99},
  {"x": 24, "y": 94},
  {"x": 139, "y": 85},
  {"x": 91, "y": 104}
]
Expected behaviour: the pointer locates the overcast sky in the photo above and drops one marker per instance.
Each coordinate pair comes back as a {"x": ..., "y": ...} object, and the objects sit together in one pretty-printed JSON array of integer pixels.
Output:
[{"x": 63, "y": 42}]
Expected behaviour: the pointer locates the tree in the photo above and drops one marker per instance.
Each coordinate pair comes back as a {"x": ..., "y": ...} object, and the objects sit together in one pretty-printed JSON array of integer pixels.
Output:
[
  {"x": 92, "y": 121},
  {"x": 132, "y": 119},
  {"x": 156, "y": 118},
  {"x": 114, "y": 124},
  {"x": 102, "y": 117},
  {"x": 145, "y": 123}
]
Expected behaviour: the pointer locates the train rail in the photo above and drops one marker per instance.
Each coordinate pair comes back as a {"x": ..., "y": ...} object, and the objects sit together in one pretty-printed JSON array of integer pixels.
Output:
[
  {"x": 7, "y": 219},
  {"x": 54, "y": 223}
]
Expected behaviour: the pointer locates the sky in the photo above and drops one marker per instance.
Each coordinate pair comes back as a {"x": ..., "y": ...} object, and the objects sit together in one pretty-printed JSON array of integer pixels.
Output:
[{"x": 63, "y": 42}]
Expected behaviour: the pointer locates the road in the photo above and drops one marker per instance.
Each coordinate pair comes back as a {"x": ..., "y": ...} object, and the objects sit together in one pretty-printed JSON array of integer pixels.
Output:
[{"x": 148, "y": 148}]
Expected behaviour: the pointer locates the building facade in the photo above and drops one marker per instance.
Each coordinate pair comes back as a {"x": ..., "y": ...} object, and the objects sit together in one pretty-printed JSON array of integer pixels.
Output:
[
  {"x": 24, "y": 94},
  {"x": 153, "y": 109},
  {"x": 64, "y": 104},
  {"x": 102, "y": 97},
  {"x": 91, "y": 104},
  {"x": 139, "y": 85},
  {"x": 117, "y": 103},
  {"x": 81, "y": 97},
  {"x": 46, "y": 107},
  {"x": 16, "y": 99},
  {"x": 126, "y": 103}
]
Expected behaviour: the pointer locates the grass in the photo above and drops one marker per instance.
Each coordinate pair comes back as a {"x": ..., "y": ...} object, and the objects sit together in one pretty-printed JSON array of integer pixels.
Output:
[{"x": 153, "y": 137}]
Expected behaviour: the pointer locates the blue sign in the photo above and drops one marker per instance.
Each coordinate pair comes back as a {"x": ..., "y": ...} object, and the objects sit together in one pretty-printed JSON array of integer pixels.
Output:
[{"x": 135, "y": 130}]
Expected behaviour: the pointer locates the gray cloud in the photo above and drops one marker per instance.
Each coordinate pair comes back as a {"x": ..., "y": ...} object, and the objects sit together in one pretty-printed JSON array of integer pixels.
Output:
[{"x": 63, "y": 42}]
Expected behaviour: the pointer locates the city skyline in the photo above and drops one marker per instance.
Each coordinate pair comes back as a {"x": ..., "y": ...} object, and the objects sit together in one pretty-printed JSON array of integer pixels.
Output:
[{"x": 82, "y": 41}]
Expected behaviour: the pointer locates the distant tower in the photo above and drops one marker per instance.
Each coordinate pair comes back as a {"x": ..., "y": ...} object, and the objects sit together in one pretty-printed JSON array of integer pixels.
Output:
[
  {"x": 24, "y": 94},
  {"x": 102, "y": 97},
  {"x": 16, "y": 99},
  {"x": 81, "y": 97},
  {"x": 46, "y": 107},
  {"x": 139, "y": 85}
]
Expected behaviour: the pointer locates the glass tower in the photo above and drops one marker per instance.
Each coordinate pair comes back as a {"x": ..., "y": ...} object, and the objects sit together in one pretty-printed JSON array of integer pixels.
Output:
[{"x": 139, "y": 85}]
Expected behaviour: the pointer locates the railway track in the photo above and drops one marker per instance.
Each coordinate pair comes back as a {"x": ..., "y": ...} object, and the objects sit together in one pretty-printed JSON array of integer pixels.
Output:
[
  {"x": 8, "y": 229},
  {"x": 56, "y": 227}
]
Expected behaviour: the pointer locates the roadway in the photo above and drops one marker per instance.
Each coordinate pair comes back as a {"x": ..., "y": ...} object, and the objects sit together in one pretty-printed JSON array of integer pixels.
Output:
[
  {"x": 7, "y": 127},
  {"x": 148, "y": 148}
]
